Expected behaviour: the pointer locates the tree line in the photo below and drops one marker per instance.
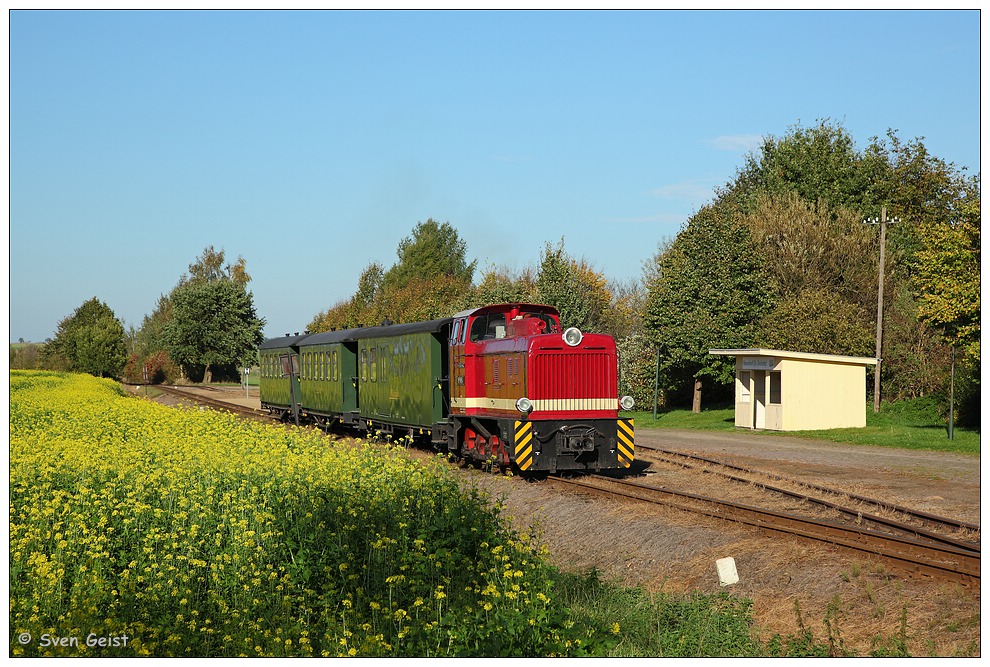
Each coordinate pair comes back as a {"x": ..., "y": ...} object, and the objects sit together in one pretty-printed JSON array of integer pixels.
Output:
[
  {"x": 205, "y": 328},
  {"x": 780, "y": 258}
]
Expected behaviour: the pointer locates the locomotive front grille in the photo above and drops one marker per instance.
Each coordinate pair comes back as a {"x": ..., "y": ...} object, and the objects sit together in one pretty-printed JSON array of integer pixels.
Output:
[{"x": 573, "y": 380}]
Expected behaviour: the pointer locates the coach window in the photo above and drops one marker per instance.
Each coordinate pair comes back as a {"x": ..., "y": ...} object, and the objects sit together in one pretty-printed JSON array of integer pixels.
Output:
[
  {"x": 333, "y": 366},
  {"x": 364, "y": 365},
  {"x": 373, "y": 361}
]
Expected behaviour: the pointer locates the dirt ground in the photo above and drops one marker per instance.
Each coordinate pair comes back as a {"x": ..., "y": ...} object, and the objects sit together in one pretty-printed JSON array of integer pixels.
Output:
[{"x": 842, "y": 597}]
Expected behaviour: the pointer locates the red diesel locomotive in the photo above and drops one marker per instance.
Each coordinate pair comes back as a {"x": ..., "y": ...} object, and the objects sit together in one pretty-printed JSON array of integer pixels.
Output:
[
  {"x": 502, "y": 384},
  {"x": 526, "y": 392}
]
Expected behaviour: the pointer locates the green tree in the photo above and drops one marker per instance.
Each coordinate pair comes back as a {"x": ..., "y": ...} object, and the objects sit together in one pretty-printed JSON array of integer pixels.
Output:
[
  {"x": 150, "y": 337},
  {"x": 578, "y": 292},
  {"x": 211, "y": 266},
  {"x": 708, "y": 290},
  {"x": 820, "y": 170},
  {"x": 810, "y": 245},
  {"x": 370, "y": 286},
  {"x": 946, "y": 276},
  {"x": 431, "y": 251},
  {"x": 501, "y": 285},
  {"x": 816, "y": 163},
  {"x": 91, "y": 340},
  {"x": 213, "y": 324},
  {"x": 820, "y": 321}
]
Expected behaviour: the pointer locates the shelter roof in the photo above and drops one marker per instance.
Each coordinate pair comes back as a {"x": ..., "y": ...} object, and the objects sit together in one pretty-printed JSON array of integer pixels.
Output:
[{"x": 785, "y": 354}]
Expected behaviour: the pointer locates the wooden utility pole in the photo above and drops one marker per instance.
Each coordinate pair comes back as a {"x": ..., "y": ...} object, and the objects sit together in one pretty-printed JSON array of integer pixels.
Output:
[{"x": 883, "y": 244}]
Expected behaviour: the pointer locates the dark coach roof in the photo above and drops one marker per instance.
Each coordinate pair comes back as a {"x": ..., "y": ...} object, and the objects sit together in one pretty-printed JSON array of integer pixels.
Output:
[
  {"x": 282, "y": 342},
  {"x": 347, "y": 335}
]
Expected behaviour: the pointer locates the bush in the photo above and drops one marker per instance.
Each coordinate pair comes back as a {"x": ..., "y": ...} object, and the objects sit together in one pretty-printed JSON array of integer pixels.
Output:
[{"x": 156, "y": 368}]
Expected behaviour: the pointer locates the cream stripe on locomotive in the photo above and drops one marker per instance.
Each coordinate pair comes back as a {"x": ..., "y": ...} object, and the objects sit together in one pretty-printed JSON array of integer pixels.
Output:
[
  {"x": 523, "y": 444},
  {"x": 627, "y": 449},
  {"x": 540, "y": 405}
]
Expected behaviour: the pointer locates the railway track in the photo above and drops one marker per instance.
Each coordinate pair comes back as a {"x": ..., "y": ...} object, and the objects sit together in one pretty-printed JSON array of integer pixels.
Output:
[
  {"x": 915, "y": 551},
  {"x": 216, "y": 403},
  {"x": 716, "y": 467},
  {"x": 907, "y": 555},
  {"x": 905, "y": 521}
]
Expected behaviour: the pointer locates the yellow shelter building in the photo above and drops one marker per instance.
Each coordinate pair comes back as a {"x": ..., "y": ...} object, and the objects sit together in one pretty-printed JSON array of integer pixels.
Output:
[{"x": 798, "y": 391}]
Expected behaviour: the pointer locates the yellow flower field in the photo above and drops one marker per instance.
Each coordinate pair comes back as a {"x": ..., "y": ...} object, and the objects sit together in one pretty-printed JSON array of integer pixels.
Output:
[{"x": 137, "y": 529}]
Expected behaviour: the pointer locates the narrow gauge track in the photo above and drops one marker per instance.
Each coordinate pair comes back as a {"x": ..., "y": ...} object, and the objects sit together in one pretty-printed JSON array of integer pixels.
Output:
[
  {"x": 924, "y": 518},
  {"x": 908, "y": 555},
  {"x": 216, "y": 403}
]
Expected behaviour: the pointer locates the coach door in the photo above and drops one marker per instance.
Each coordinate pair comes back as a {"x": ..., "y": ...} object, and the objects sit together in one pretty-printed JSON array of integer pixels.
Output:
[{"x": 290, "y": 370}]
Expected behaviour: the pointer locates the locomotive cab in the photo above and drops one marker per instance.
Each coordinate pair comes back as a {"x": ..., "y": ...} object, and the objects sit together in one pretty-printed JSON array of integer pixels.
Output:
[{"x": 525, "y": 392}]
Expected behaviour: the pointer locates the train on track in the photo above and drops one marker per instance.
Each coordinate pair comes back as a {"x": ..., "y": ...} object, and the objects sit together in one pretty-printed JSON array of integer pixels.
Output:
[{"x": 502, "y": 384}]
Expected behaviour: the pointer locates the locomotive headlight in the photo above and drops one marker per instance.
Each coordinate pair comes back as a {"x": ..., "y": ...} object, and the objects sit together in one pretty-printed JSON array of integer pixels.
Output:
[
  {"x": 524, "y": 405},
  {"x": 627, "y": 402},
  {"x": 573, "y": 336}
]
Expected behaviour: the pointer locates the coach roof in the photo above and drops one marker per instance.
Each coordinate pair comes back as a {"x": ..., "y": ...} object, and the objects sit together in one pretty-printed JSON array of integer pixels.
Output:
[
  {"x": 347, "y": 335},
  {"x": 282, "y": 342}
]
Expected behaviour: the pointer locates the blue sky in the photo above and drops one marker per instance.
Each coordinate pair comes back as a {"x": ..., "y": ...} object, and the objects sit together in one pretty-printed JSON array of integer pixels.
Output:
[{"x": 311, "y": 143}]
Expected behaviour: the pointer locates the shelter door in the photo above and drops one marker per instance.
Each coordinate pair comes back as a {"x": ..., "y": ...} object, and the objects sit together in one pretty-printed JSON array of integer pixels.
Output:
[{"x": 760, "y": 399}]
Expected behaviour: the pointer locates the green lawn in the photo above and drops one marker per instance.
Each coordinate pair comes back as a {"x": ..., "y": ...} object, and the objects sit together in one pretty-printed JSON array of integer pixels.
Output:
[{"x": 912, "y": 424}]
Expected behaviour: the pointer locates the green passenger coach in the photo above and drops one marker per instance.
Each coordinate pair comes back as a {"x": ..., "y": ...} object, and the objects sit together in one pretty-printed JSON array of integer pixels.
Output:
[
  {"x": 328, "y": 377},
  {"x": 279, "y": 383},
  {"x": 402, "y": 371},
  {"x": 390, "y": 378}
]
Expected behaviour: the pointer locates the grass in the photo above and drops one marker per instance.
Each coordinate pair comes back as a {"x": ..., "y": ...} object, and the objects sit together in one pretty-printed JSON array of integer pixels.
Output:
[
  {"x": 698, "y": 624},
  {"x": 908, "y": 424}
]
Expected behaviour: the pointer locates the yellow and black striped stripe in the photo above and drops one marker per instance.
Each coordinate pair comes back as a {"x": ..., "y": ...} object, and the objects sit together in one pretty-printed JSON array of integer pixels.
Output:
[
  {"x": 523, "y": 444},
  {"x": 627, "y": 449}
]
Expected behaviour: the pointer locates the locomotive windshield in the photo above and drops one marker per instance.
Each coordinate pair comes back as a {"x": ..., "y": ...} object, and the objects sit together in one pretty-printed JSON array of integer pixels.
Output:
[
  {"x": 493, "y": 326},
  {"x": 488, "y": 327}
]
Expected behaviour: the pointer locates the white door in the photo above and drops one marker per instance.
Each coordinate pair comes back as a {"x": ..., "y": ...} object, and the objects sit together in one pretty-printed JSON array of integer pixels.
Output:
[{"x": 760, "y": 399}]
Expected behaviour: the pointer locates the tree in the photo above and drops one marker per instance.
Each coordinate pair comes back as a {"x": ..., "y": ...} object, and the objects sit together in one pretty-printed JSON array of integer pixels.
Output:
[
  {"x": 816, "y": 163},
  {"x": 708, "y": 290},
  {"x": 578, "y": 292},
  {"x": 819, "y": 321},
  {"x": 210, "y": 266},
  {"x": 431, "y": 251},
  {"x": 810, "y": 245},
  {"x": 150, "y": 337},
  {"x": 819, "y": 169},
  {"x": 501, "y": 285},
  {"x": 946, "y": 277},
  {"x": 91, "y": 340},
  {"x": 213, "y": 324},
  {"x": 370, "y": 286}
]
